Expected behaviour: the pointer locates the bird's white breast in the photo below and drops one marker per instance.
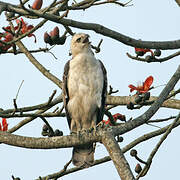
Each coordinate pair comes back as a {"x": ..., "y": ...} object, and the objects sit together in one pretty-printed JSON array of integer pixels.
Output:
[{"x": 85, "y": 79}]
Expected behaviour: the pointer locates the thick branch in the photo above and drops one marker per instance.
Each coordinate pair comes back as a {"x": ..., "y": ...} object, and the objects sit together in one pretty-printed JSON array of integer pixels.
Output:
[
  {"x": 95, "y": 27},
  {"x": 48, "y": 143},
  {"x": 137, "y": 141},
  {"x": 117, "y": 157},
  {"x": 124, "y": 100}
]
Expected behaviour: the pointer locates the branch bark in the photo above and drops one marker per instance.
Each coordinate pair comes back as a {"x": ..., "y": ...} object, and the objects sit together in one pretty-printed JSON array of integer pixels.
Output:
[
  {"x": 94, "y": 27},
  {"x": 117, "y": 157}
]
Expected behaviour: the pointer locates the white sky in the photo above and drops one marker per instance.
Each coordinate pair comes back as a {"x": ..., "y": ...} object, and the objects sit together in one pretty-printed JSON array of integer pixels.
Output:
[{"x": 152, "y": 20}]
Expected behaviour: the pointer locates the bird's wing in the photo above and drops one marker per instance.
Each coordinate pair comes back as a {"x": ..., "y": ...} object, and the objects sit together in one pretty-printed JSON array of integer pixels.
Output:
[
  {"x": 65, "y": 92},
  {"x": 104, "y": 94}
]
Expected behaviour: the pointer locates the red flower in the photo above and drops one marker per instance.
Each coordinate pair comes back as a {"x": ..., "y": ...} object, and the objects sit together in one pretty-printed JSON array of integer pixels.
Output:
[
  {"x": 142, "y": 88},
  {"x": 7, "y": 37},
  {"x": 115, "y": 117},
  {"x": 144, "y": 51},
  {"x": 25, "y": 28},
  {"x": 4, "y": 126}
]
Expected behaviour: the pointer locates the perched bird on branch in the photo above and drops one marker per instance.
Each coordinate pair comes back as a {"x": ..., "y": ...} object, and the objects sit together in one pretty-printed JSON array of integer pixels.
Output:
[{"x": 84, "y": 94}]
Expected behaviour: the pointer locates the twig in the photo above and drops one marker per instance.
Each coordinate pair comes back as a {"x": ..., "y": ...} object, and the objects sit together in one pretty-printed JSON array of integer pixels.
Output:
[
  {"x": 31, "y": 51},
  {"x": 64, "y": 15},
  {"x": 161, "y": 120},
  {"x": 60, "y": 111},
  {"x": 97, "y": 48},
  {"x": 153, "y": 125},
  {"x": 15, "y": 107},
  {"x": 14, "y": 100},
  {"x": 48, "y": 125},
  {"x": 50, "y": 6},
  {"x": 173, "y": 94},
  {"x": 154, "y": 59},
  {"x": 19, "y": 89},
  {"x": 51, "y": 97},
  {"x": 57, "y": 175},
  {"x": 52, "y": 55},
  {"x": 115, "y": 2},
  {"x": 111, "y": 91},
  {"x": 33, "y": 115}
]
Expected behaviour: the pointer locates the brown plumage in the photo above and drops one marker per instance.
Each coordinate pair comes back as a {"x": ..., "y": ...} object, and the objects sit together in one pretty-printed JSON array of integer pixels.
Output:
[{"x": 84, "y": 94}]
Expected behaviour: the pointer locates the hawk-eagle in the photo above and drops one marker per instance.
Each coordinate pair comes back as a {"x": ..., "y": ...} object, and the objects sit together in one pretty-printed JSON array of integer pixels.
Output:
[{"x": 84, "y": 94}]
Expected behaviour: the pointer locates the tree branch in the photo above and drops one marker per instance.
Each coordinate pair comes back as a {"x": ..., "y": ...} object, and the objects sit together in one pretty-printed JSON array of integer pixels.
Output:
[
  {"x": 94, "y": 27},
  {"x": 117, "y": 157},
  {"x": 124, "y": 100},
  {"x": 154, "y": 59},
  {"x": 29, "y": 119},
  {"x": 39, "y": 66}
]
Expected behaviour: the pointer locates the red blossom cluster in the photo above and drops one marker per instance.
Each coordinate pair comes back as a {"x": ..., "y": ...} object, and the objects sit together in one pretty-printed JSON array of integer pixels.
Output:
[
  {"x": 4, "y": 126},
  {"x": 115, "y": 118},
  {"x": 145, "y": 87},
  {"x": 25, "y": 28},
  {"x": 7, "y": 36}
]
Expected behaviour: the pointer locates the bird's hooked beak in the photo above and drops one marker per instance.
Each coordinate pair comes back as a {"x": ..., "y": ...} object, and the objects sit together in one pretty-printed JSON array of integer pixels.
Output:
[{"x": 86, "y": 39}]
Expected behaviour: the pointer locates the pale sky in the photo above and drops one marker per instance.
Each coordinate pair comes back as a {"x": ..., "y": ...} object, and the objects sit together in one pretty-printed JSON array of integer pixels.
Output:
[{"x": 152, "y": 20}]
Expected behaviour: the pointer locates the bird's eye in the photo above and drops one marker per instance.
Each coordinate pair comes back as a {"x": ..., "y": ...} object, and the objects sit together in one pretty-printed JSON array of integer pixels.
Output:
[{"x": 78, "y": 40}]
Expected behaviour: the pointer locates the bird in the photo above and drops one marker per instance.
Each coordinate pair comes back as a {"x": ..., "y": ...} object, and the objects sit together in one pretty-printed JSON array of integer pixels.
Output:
[{"x": 84, "y": 95}]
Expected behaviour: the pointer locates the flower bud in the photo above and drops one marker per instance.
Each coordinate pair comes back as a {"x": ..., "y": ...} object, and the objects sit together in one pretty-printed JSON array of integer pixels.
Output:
[
  {"x": 47, "y": 38},
  {"x": 138, "y": 168},
  {"x": 133, "y": 152},
  {"x": 37, "y": 4}
]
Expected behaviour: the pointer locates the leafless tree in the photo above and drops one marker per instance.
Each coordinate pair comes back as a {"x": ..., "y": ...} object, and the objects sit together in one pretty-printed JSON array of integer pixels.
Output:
[{"x": 108, "y": 133}]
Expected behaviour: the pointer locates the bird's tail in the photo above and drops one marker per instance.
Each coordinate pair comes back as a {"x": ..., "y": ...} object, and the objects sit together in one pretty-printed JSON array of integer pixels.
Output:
[{"x": 83, "y": 155}]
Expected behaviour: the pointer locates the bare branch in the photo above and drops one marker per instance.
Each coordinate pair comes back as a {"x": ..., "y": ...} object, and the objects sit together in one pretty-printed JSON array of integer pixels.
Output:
[
  {"x": 51, "y": 97},
  {"x": 124, "y": 100},
  {"x": 29, "y": 119},
  {"x": 97, "y": 28},
  {"x": 117, "y": 157},
  {"x": 39, "y": 66},
  {"x": 31, "y": 51},
  {"x": 154, "y": 59}
]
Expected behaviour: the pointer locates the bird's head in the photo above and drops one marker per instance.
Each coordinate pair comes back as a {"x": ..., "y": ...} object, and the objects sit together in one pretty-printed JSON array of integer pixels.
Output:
[{"x": 80, "y": 44}]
